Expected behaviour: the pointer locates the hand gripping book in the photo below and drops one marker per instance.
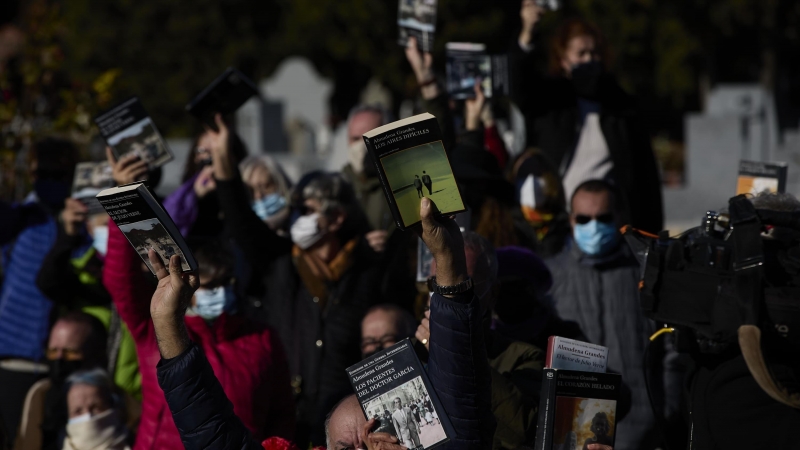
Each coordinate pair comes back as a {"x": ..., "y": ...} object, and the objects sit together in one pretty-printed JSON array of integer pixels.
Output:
[
  {"x": 756, "y": 177},
  {"x": 563, "y": 353},
  {"x": 145, "y": 224},
  {"x": 417, "y": 18},
  {"x": 227, "y": 93},
  {"x": 577, "y": 409},
  {"x": 467, "y": 63},
  {"x": 412, "y": 163},
  {"x": 393, "y": 388},
  {"x": 129, "y": 130},
  {"x": 90, "y": 179}
]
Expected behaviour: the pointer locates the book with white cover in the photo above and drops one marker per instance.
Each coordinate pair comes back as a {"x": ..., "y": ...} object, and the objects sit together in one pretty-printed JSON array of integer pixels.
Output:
[{"x": 569, "y": 354}]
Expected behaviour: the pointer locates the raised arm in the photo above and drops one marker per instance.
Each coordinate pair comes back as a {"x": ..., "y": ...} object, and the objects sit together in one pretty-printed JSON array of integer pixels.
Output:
[
  {"x": 457, "y": 365},
  {"x": 255, "y": 238}
]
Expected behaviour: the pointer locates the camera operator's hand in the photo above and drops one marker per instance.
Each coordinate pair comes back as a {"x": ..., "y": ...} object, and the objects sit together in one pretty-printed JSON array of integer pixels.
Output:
[
  {"x": 204, "y": 183},
  {"x": 129, "y": 169},
  {"x": 220, "y": 150},
  {"x": 422, "y": 64},
  {"x": 73, "y": 217},
  {"x": 473, "y": 108},
  {"x": 444, "y": 240},
  {"x": 530, "y": 13},
  {"x": 378, "y": 441},
  {"x": 168, "y": 304}
]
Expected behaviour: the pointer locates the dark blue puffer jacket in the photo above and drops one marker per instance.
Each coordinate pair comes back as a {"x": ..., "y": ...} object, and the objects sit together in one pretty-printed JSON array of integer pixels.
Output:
[{"x": 458, "y": 368}]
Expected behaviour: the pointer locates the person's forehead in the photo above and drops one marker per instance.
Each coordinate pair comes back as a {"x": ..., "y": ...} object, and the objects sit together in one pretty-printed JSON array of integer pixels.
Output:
[
  {"x": 581, "y": 42},
  {"x": 586, "y": 202},
  {"x": 82, "y": 391},
  {"x": 379, "y": 321},
  {"x": 363, "y": 122},
  {"x": 64, "y": 332}
]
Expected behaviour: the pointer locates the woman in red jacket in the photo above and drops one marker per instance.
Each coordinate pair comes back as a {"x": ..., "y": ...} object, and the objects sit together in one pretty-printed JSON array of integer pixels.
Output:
[{"x": 246, "y": 357}]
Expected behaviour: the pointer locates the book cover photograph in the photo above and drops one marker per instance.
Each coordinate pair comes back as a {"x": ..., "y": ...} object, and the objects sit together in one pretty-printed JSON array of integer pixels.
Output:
[
  {"x": 128, "y": 129},
  {"x": 417, "y": 18},
  {"x": 90, "y": 179},
  {"x": 392, "y": 388},
  {"x": 145, "y": 224},
  {"x": 412, "y": 164},
  {"x": 756, "y": 177},
  {"x": 577, "y": 409}
]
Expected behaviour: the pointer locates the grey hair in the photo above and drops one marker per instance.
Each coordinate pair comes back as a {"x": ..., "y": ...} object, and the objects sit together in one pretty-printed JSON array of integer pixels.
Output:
[
  {"x": 94, "y": 377},
  {"x": 484, "y": 250},
  {"x": 407, "y": 325},
  {"x": 328, "y": 420},
  {"x": 251, "y": 163},
  {"x": 332, "y": 191},
  {"x": 781, "y": 201},
  {"x": 374, "y": 108}
]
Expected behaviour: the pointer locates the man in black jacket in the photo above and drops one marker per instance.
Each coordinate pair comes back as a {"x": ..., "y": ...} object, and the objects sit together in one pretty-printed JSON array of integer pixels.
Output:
[{"x": 457, "y": 364}]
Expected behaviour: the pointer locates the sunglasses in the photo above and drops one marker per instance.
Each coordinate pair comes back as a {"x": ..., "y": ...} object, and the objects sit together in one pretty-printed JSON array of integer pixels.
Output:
[{"x": 581, "y": 219}]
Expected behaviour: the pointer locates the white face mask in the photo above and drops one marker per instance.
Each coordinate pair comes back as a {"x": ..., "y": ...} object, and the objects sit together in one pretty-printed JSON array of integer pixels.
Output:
[
  {"x": 80, "y": 419},
  {"x": 211, "y": 303},
  {"x": 100, "y": 239},
  {"x": 355, "y": 156},
  {"x": 306, "y": 232}
]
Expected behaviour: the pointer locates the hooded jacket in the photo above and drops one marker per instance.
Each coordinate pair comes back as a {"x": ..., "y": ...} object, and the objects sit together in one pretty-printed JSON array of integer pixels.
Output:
[{"x": 246, "y": 357}]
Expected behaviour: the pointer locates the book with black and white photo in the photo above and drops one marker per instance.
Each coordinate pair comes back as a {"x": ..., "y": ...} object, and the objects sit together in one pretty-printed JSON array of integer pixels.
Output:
[
  {"x": 570, "y": 354},
  {"x": 412, "y": 163},
  {"x": 90, "y": 179},
  {"x": 468, "y": 63},
  {"x": 756, "y": 177},
  {"x": 129, "y": 130},
  {"x": 417, "y": 18},
  {"x": 146, "y": 225},
  {"x": 393, "y": 388},
  {"x": 227, "y": 93},
  {"x": 577, "y": 409}
]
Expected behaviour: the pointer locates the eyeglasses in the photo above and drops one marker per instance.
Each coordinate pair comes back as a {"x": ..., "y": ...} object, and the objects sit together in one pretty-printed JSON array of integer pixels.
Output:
[
  {"x": 581, "y": 219},
  {"x": 64, "y": 353},
  {"x": 383, "y": 342}
]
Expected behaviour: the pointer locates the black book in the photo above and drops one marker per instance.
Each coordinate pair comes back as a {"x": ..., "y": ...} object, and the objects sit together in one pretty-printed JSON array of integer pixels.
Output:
[
  {"x": 412, "y": 163},
  {"x": 417, "y": 18},
  {"x": 128, "y": 129},
  {"x": 756, "y": 177},
  {"x": 467, "y": 63},
  {"x": 145, "y": 224},
  {"x": 577, "y": 409},
  {"x": 90, "y": 179},
  {"x": 227, "y": 93},
  {"x": 393, "y": 388}
]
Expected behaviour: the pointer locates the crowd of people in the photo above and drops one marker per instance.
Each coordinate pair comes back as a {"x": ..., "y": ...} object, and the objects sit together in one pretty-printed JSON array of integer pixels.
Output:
[{"x": 300, "y": 279}]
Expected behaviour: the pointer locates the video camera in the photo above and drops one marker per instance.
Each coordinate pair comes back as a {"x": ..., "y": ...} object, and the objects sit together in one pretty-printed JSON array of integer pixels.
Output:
[{"x": 726, "y": 283}]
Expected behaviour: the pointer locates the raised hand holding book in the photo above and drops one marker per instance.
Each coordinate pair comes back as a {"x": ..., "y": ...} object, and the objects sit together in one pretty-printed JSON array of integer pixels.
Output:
[
  {"x": 145, "y": 224},
  {"x": 227, "y": 93}
]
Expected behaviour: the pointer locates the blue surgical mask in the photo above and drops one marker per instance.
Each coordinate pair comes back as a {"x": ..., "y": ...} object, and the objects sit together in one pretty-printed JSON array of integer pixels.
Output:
[
  {"x": 268, "y": 206},
  {"x": 100, "y": 239},
  {"x": 211, "y": 303},
  {"x": 596, "y": 238}
]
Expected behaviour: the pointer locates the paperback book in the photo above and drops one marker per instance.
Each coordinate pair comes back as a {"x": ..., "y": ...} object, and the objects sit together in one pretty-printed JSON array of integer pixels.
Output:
[
  {"x": 417, "y": 18},
  {"x": 412, "y": 163},
  {"x": 577, "y": 409},
  {"x": 227, "y": 93},
  {"x": 393, "y": 388},
  {"x": 563, "y": 353},
  {"x": 90, "y": 179},
  {"x": 145, "y": 224},
  {"x": 467, "y": 64},
  {"x": 756, "y": 177},
  {"x": 129, "y": 130}
]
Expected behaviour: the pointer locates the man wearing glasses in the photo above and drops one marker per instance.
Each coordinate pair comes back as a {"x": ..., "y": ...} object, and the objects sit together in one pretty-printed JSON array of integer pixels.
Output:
[
  {"x": 384, "y": 326},
  {"x": 595, "y": 283}
]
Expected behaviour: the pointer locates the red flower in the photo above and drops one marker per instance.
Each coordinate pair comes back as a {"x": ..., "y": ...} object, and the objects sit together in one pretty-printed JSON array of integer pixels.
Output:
[{"x": 278, "y": 443}]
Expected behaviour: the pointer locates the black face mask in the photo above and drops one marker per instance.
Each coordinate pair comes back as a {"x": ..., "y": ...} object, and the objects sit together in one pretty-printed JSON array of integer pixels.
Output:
[
  {"x": 586, "y": 79},
  {"x": 61, "y": 369}
]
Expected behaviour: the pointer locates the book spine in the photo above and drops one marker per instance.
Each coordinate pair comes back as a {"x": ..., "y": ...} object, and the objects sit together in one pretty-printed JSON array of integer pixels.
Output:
[
  {"x": 385, "y": 184},
  {"x": 169, "y": 226},
  {"x": 551, "y": 342},
  {"x": 547, "y": 408}
]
